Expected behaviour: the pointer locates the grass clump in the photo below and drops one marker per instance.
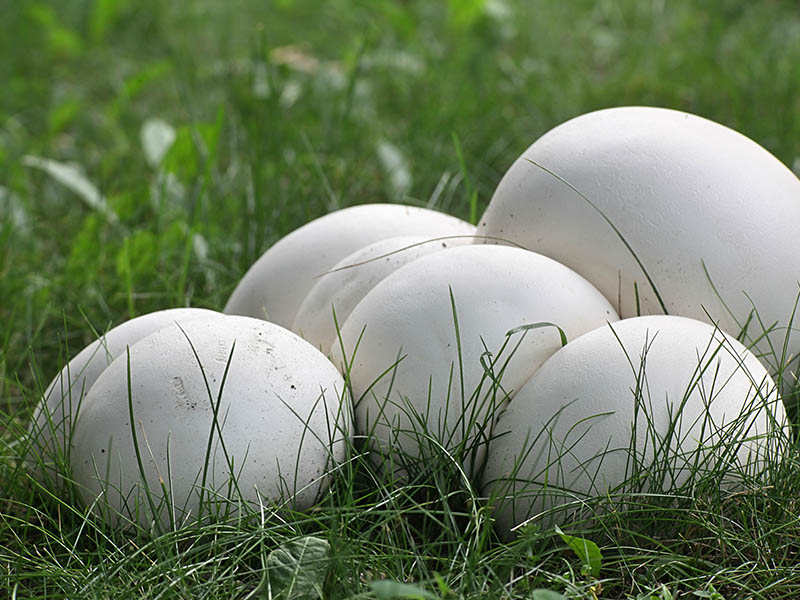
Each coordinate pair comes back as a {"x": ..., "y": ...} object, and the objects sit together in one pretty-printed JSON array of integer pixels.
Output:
[{"x": 427, "y": 530}]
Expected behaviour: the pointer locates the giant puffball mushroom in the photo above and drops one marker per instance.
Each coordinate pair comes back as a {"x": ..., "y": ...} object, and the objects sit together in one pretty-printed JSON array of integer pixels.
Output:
[
  {"x": 700, "y": 205},
  {"x": 51, "y": 425},
  {"x": 277, "y": 283},
  {"x": 209, "y": 399},
  {"x": 408, "y": 322},
  {"x": 351, "y": 278},
  {"x": 647, "y": 401}
]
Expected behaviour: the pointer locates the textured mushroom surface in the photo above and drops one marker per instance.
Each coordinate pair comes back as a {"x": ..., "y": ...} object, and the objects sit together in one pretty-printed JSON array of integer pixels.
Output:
[
  {"x": 222, "y": 400},
  {"x": 51, "y": 424},
  {"x": 276, "y": 284},
  {"x": 343, "y": 287},
  {"x": 650, "y": 401},
  {"x": 711, "y": 215},
  {"x": 427, "y": 344}
]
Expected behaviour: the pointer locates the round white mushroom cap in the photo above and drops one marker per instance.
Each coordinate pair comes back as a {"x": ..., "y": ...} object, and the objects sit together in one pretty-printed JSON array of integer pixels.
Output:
[
  {"x": 700, "y": 205},
  {"x": 415, "y": 363},
  {"x": 209, "y": 399},
  {"x": 51, "y": 425},
  {"x": 343, "y": 287},
  {"x": 280, "y": 279},
  {"x": 640, "y": 405}
]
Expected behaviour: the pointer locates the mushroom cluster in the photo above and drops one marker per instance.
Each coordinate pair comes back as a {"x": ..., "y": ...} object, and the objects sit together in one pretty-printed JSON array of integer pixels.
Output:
[{"x": 614, "y": 322}]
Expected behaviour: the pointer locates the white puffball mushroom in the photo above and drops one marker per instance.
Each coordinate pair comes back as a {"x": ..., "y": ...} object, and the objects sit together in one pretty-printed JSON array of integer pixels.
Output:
[
  {"x": 51, "y": 425},
  {"x": 701, "y": 205},
  {"x": 281, "y": 422},
  {"x": 667, "y": 394},
  {"x": 407, "y": 320},
  {"x": 351, "y": 278},
  {"x": 276, "y": 284}
]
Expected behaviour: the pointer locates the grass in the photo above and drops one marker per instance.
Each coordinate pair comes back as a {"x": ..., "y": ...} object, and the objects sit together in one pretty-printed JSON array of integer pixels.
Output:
[{"x": 280, "y": 113}]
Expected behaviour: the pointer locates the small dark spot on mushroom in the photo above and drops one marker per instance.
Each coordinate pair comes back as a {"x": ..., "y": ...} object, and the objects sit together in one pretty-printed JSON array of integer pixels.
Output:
[
  {"x": 102, "y": 450},
  {"x": 293, "y": 386},
  {"x": 444, "y": 244}
]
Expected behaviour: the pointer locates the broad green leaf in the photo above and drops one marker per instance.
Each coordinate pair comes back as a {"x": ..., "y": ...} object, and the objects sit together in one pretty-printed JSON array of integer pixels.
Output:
[
  {"x": 709, "y": 594},
  {"x": 103, "y": 16},
  {"x": 399, "y": 16},
  {"x": 63, "y": 114},
  {"x": 61, "y": 39},
  {"x": 587, "y": 551},
  {"x": 386, "y": 589},
  {"x": 149, "y": 74},
  {"x": 298, "y": 568},
  {"x": 547, "y": 595},
  {"x": 193, "y": 145},
  {"x": 662, "y": 593},
  {"x": 464, "y": 13},
  {"x": 136, "y": 83}
]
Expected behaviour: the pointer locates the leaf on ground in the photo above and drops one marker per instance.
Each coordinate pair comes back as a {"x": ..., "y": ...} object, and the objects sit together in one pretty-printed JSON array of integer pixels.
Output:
[
  {"x": 587, "y": 551},
  {"x": 543, "y": 594},
  {"x": 396, "y": 167},
  {"x": 710, "y": 594},
  {"x": 386, "y": 589},
  {"x": 296, "y": 57},
  {"x": 72, "y": 178},
  {"x": 298, "y": 568},
  {"x": 157, "y": 137}
]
